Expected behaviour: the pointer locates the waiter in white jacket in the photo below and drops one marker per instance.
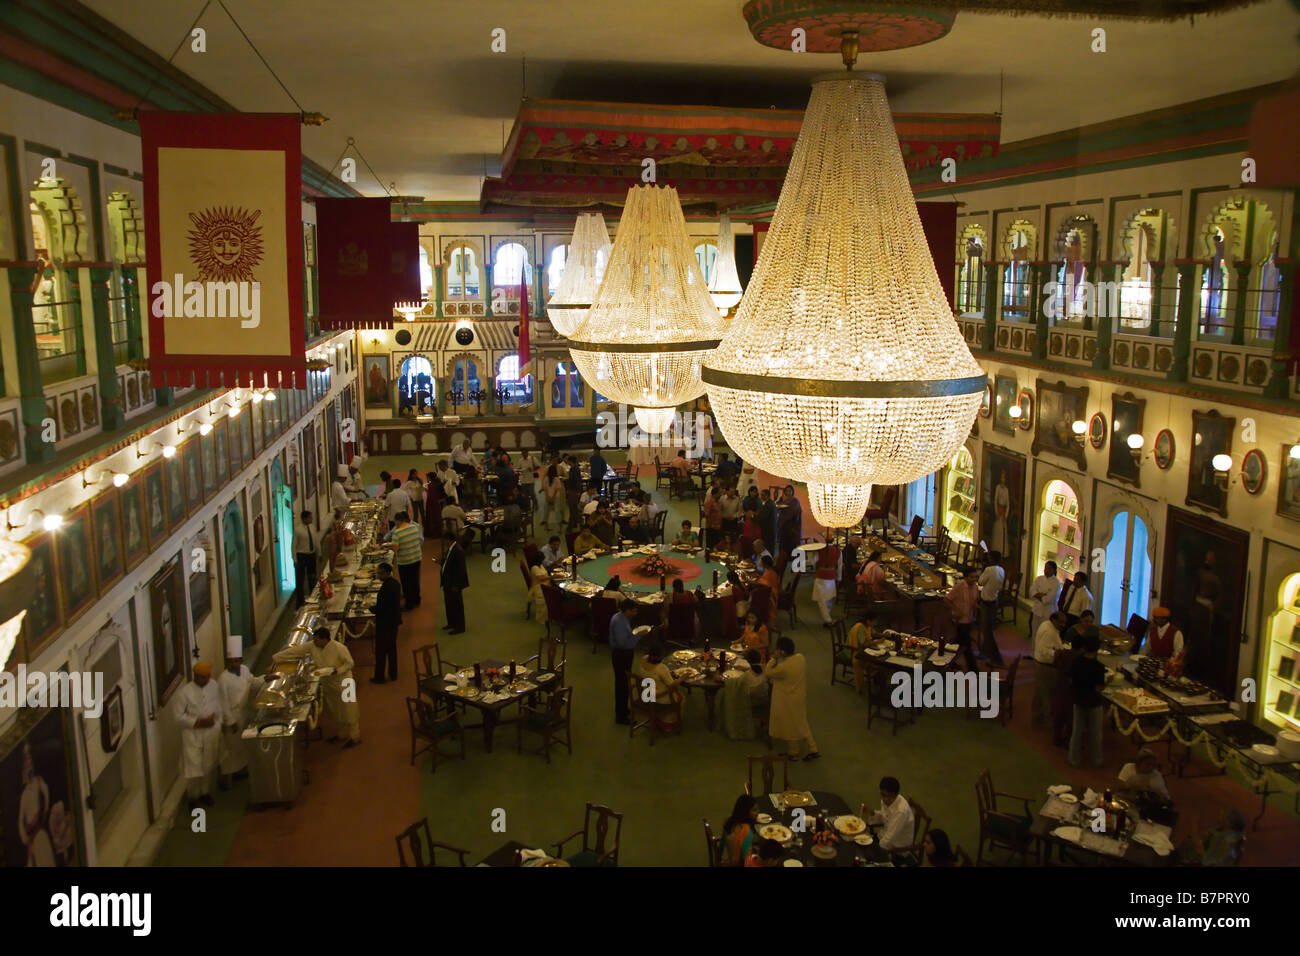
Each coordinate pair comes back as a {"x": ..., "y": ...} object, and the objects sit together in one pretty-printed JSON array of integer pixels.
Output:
[
  {"x": 1043, "y": 593},
  {"x": 199, "y": 712},
  {"x": 339, "y": 497},
  {"x": 239, "y": 688}
]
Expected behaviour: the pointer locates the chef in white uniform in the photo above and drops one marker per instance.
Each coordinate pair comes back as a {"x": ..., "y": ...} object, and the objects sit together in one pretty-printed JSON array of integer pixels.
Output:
[
  {"x": 199, "y": 712},
  {"x": 239, "y": 688},
  {"x": 338, "y": 688},
  {"x": 1043, "y": 593},
  {"x": 339, "y": 497}
]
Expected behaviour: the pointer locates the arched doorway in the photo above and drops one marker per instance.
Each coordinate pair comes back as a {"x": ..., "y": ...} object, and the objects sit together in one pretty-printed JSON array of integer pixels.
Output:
[
  {"x": 282, "y": 531},
  {"x": 239, "y": 599},
  {"x": 1060, "y": 530},
  {"x": 1126, "y": 582},
  {"x": 415, "y": 388}
]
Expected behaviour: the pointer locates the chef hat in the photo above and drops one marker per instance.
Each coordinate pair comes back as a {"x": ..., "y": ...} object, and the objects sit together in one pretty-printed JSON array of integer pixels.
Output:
[
  {"x": 343, "y": 471},
  {"x": 234, "y": 646},
  {"x": 202, "y": 669},
  {"x": 355, "y": 462},
  {"x": 1161, "y": 612}
]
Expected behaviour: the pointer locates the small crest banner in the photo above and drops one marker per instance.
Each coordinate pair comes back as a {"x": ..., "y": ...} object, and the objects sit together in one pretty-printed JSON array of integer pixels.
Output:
[
  {"x": 405, "y": 259},
  {"x": 355, "y": 238},
  {"x": 224, "y": 244}
]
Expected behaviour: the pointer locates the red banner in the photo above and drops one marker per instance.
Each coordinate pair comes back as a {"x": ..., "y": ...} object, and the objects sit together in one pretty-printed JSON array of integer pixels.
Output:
[
  {"x": 223, "y": 241},
  {"x": 939, "y": 221},
  {"x": 404, "y": 255},
  {"x": 355, "y": 262},
  {"x": 525, "y": 353}
]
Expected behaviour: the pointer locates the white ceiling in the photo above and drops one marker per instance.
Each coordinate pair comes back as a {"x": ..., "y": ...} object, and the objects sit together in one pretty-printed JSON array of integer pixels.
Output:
[{"x": 415, "y": 82}]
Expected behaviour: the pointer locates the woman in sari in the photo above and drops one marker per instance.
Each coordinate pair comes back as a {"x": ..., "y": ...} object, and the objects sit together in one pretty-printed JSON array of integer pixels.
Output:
[
  {"x": 754, "y": 636},
  {"x": 739, "y": 593},
  {"x": 667, "y": 695},
  {"x": 740, "y": 833},
  {"x": 540, "y": 577},
  {"x": 859, "y": 637}
]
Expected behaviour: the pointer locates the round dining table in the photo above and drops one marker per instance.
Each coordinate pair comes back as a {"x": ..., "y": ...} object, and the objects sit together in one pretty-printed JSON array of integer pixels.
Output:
[{"x": 799, "y": 848}]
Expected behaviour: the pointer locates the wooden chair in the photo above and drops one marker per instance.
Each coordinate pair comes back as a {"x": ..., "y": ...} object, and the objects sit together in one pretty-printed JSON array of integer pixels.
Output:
[
  {"x": 661, "y": 519},
  {"x": 647, "y": 714},
  {"x": 549, "y": 721},
  {"x": 594, "y": 839},
  {"x": 760, "y": 602},
  {"x": 729, "y": 628},
  {"x": 551, "y": 656},
  {"x": 1009, "y": 596},
  {"x": 419, "y": 841},
  {"x": 880, "y": 704},
  {"x": 681, "y": 624},
  {"x": 1006, "y": 692},
  {"x": 559, "y": 613},
  {"x": 922, "y": 822},
  {"x": 603, "y": 610},
  {"x": 433, "y": 722},
  {"x": 569, "y": 538},
  {"x": 942, "y": 547},
  {"x": 767, "y": 773},
  {"x": 963, "y": 858},
  {"x": 999, "y": 829},
  {"x": 663, "y": 475},
  {"x": 785, "y": 601},
  {"x": 881, "y": 512},
  {"x": 528, "y": 589},
  {"x": 714, "y": 847},
  {"x": 429, "y": 668},
  {"x": 841, "y": 655}
]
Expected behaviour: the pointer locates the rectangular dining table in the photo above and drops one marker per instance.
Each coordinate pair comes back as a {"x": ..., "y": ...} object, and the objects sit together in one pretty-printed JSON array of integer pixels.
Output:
[
  {"x": 1097, "y": 849},
  {"x": 544, "y": 680}
]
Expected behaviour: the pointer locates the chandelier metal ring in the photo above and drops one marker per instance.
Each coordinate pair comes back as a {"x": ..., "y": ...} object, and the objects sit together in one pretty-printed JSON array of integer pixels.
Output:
[
  {"x": 705, "y": 345},
  {"x": 831, "y": 388}
]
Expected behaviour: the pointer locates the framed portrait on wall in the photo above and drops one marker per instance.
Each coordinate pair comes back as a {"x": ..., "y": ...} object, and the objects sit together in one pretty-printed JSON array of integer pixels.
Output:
[
  {"x": 256, "y": 413},
  {"x": 375, "y": 376},
  {"x": 1126, "y": 414},
  {"x": 105, "y": 519},
  {"x": 135, "y": 533},
  {"x": 170, "y": 630},
  {"x": 155, "y": 504},
  {"x": 200, "y": 597},
  {"x": 1002, "y": 503},
  {"x": 110, "y": 728},
  {"x": 208, "y": 463},
  {"x": 1059, "y": 407},
  {"x": 245, "y": 424},
  {"x": 1288, "y": 482},
  {"x": 39, "y": 825},
  {"x": 309, "y": 462},
  {"x": 1211, "y": 435},
  {"x": 1004, "y": 399},
  {"x": 174, "y": 476},
  {"x": 191, "y": 466},
  {"x": 221, "y": 451},
  {"x": 44, "y": 617},
  {"x": 76, "y": 582}
]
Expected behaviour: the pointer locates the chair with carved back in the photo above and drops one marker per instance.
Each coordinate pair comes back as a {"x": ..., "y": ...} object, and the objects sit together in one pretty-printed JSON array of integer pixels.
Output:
[
  {"x": 660, "y": 525},
  {"x": 663, "y": 475},
  {"x": 528, "y": 589},
  {"x": 430, "y": 668},
  {"x": 767, "y": 764},
  {"x": 786, "y": 600},
  {"x": 713, "y": 845},
  {"x": 603, "y": 610},
  {"x": 559, "y": 613},
  {"x": 433, "y": 721},
  {"x": 598, "y": 847},
  {"x": 921, "y": 821},
  {"x": 729, "y": 627},
  {"x": 1009, "y": 595},
  {"x": 550, "y": 721},
  {"x": 760, "y": 602},
  {"x": 681, "y": 624},
  {"x": 418, "y": 841},
  {"x": 1137, "y": 628},
  {"x": 841, "y": 654},
  {"x": 881, "y": 512},
  {"x": 998, "y": 828},
  {"x": 552, "y": 655}
]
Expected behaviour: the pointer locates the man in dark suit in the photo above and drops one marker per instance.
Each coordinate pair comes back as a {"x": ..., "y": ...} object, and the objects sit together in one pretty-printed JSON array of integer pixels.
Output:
[
  {"x": 388, "y": 616},
  {"x": 454, "y": 581}
]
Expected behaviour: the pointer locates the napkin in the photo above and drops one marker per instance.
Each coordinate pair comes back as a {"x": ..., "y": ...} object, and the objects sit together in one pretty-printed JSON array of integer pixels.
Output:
[
  {"x": 942, "y": 659},
  {"x": 1090, "y": 798},
  {"x": 533, "y": 854},
  {"x": 449, "y": 678},
  {"x": 1073, "y": 834},
  {"x": 1154, "y": 836},
  {"x": 1059, "y": 789}
]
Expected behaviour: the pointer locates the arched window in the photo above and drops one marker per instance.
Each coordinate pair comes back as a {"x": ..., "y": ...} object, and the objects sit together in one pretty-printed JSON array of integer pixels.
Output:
[
  {"x": 970, "y": 277},
  {"x": 1072, "y": 277},
  {"x": 1270, "y": 295},
  {"x": 416, "y": 387},
  {"x": 555, "y": 268},
  {"x": 706, "y": 254},
  {"x": 509, "y": 265},
  {"x": 426, "y": 274},
  {"x": 515, "y": 390},
  {"x": 566, "y": 388},
  {"x": 464, "y": 377},
  {"x": 462, "y": 272},
  {"x": 1214, "y": 287},
  {"x": 1015, "y": 279}
]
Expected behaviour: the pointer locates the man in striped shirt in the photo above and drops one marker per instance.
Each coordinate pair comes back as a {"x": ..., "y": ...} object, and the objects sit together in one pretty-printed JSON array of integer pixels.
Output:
[{"x": 407, "y": 540}]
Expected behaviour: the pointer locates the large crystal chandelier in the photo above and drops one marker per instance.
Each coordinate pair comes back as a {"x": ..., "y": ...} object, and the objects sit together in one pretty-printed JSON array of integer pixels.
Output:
[
  {"x": 652, "y": 322},
  {"x": 844, "y": 365},
  {"x": 724, "y": 287},
  {"x": 584, "y": 267}
]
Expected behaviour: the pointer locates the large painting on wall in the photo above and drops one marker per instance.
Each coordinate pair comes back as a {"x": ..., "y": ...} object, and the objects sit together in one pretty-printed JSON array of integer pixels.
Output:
[
  {"x": 1288, "y": 483},
  {"x": 155, "y": 504},
  {"x": 1126, "y": 413},
  {"x": 1059, "y": 407},
  {"x": 1211, "y": 435},
  {"x": 173, "y": 471},
  {"x": 1204, "y": 586},
  {"x": 76, "y": 585},
  {"x": 38, "y": 819},
  {"x": 1004, "y": 399},
  {"x": 1002, "y": 502},
  {"x": 108, "y": 541},
  {"x": 134, "y": 530},
  {"x": 43, "y": 617},
  {"x": 375, "y": 373},
  {"x": 170, "y": 630}
]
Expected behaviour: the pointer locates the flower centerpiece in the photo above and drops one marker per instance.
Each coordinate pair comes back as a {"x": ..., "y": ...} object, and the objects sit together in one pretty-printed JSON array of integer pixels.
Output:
[
  {"x": 824, "y": 841},
  {"x": 654, "y": 566},
  {"x": 492, "y": 676}
]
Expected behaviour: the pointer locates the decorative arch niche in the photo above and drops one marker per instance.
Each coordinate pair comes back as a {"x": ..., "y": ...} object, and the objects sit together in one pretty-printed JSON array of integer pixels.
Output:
[
  {"x": 59, "y": 208},
  {"x": 125, "y": 228}
]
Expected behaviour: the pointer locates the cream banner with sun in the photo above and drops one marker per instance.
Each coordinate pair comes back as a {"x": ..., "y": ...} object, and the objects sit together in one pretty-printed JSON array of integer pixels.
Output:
[{"x": 223, "y": 234}]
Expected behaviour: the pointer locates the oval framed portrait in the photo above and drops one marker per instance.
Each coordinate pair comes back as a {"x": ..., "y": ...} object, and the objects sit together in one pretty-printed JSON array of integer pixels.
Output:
[
  {"x": 1254, "y": 471},
  {"x": 1163, "y": 450},
  {"x": 986, "y": 409},
  {"x": 1097, "y": 430},
  {"x": 1025, "y": 401}
]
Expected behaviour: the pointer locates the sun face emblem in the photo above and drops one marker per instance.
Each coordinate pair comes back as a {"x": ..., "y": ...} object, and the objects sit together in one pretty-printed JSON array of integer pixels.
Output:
[{"x": 226, "y": 244}]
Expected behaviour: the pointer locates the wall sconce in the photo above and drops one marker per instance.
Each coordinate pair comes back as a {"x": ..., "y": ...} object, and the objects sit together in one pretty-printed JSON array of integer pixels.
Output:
[
  {"x": 167, "y": 450},
  {"x": 257, "y": 398},
  {"x": 1080, "y": 429},
  {"x": 119, "y": 478},
  {"x": 1295, "y": 452},
  {"x": 269, "y": 395},
  {"x": 1014, "y": 413},
  {"x": 1135, "y": 443},
  {"x": 48, "y": 522},
  {"x": 1222, "y": 464},
  {"x": 234, "y": 409}
]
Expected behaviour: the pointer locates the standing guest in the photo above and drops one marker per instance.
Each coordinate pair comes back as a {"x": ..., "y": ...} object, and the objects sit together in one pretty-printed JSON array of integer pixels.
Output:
[
  {"x": 507, "y": 479},
  {"x": 238, "y": 689},
  {"x": 790, "y": 521},
  {"x": 1164, "y": 640},
  {"x": 749, "y": 527},
  {"x": 871, "y": 578},
  {"x": 767, "y": 518},
  {"x": 1047, "y": 641},
  {"x": 824, "y": 578},
  {"x": 406, "y": 540},
  {"x": 552, "y": 552},
  {"x": 740, "y": 831},
  {"x": 731, "y": 509},
  {"x": 1144, "y": 774},
  {"x": 622, "y": 643},
  {"x": 455, "y": 579},
  {"x": 727, "y": 472},
  {"x": 895, "y": 818},
  {"x": 754, "y": 636},
  {"x": 1076, "y": 598},
  {"x": 384, "y": 478},
  {"x": 304, "y": 558},
  {"x": 787, "y": 673},
  {"x": 199, "y": 712},
  {"x": 938, "y": 849},
  {"x": 338, "y": 536},
  {"x": 433, "y": 501},
  {"x": 963, "y": 601},
  {"x": 397, "y": 501},
  {"x": 450, "y": 480},
  {"x": 1076, "y": 632},
  {"x": 1043, "y": 593},
  {"x": 598, "y": 467},
  {"x": 853, "y": 555},
  {"x": 463, "y": 460},
  {"x": 529, "y": 470},
  {"x": 990, "y": 585},
  {"x": 713, "y": 516},
  {"x": 339, "y": 497},
  {"x": 751, "y": 502},
  {"x": 414, "y": 489},
  {"x": 1088, "y": 677},
  {"x": 573, "y": 492},
  {"x": 553, "y": 497},
  {"x": 337, "y": 688},
  {"x": 388, "y": 617}
]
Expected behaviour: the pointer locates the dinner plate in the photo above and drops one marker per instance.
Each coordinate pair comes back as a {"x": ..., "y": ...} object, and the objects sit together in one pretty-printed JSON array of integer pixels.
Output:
[
  {"x": 469, "y": 692},
  {"x": 271, "y": 730},
  {"x": 542, "y": 678},
  {"x": 1265, "y": 750},
  {"x": 794, "y": 798},
  {"x": 775, "y": 831},
  {"x": 792, "y": 863},
  {"x": 864, "y": 839},
  {"x": 683, "y": 655},
  {"x": 850, "y": 825},
  {"x": 1067, "y": 798},
  {"x": 688, "y": 673}
]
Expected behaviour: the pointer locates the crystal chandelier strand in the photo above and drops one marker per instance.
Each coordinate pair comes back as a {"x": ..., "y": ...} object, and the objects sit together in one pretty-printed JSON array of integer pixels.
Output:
[
  {"x": 654, "y": 421},
  {"x": 724, "y": 287},
  {"x": 838, "y": 506},
  {"x": 584, "y": 267}
]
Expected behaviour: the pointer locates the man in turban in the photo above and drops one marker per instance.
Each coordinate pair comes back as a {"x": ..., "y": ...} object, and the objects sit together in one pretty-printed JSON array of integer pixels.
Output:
[
  {"x": 198, "y": 709},
  {"x": 1164, "y": 639}
]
